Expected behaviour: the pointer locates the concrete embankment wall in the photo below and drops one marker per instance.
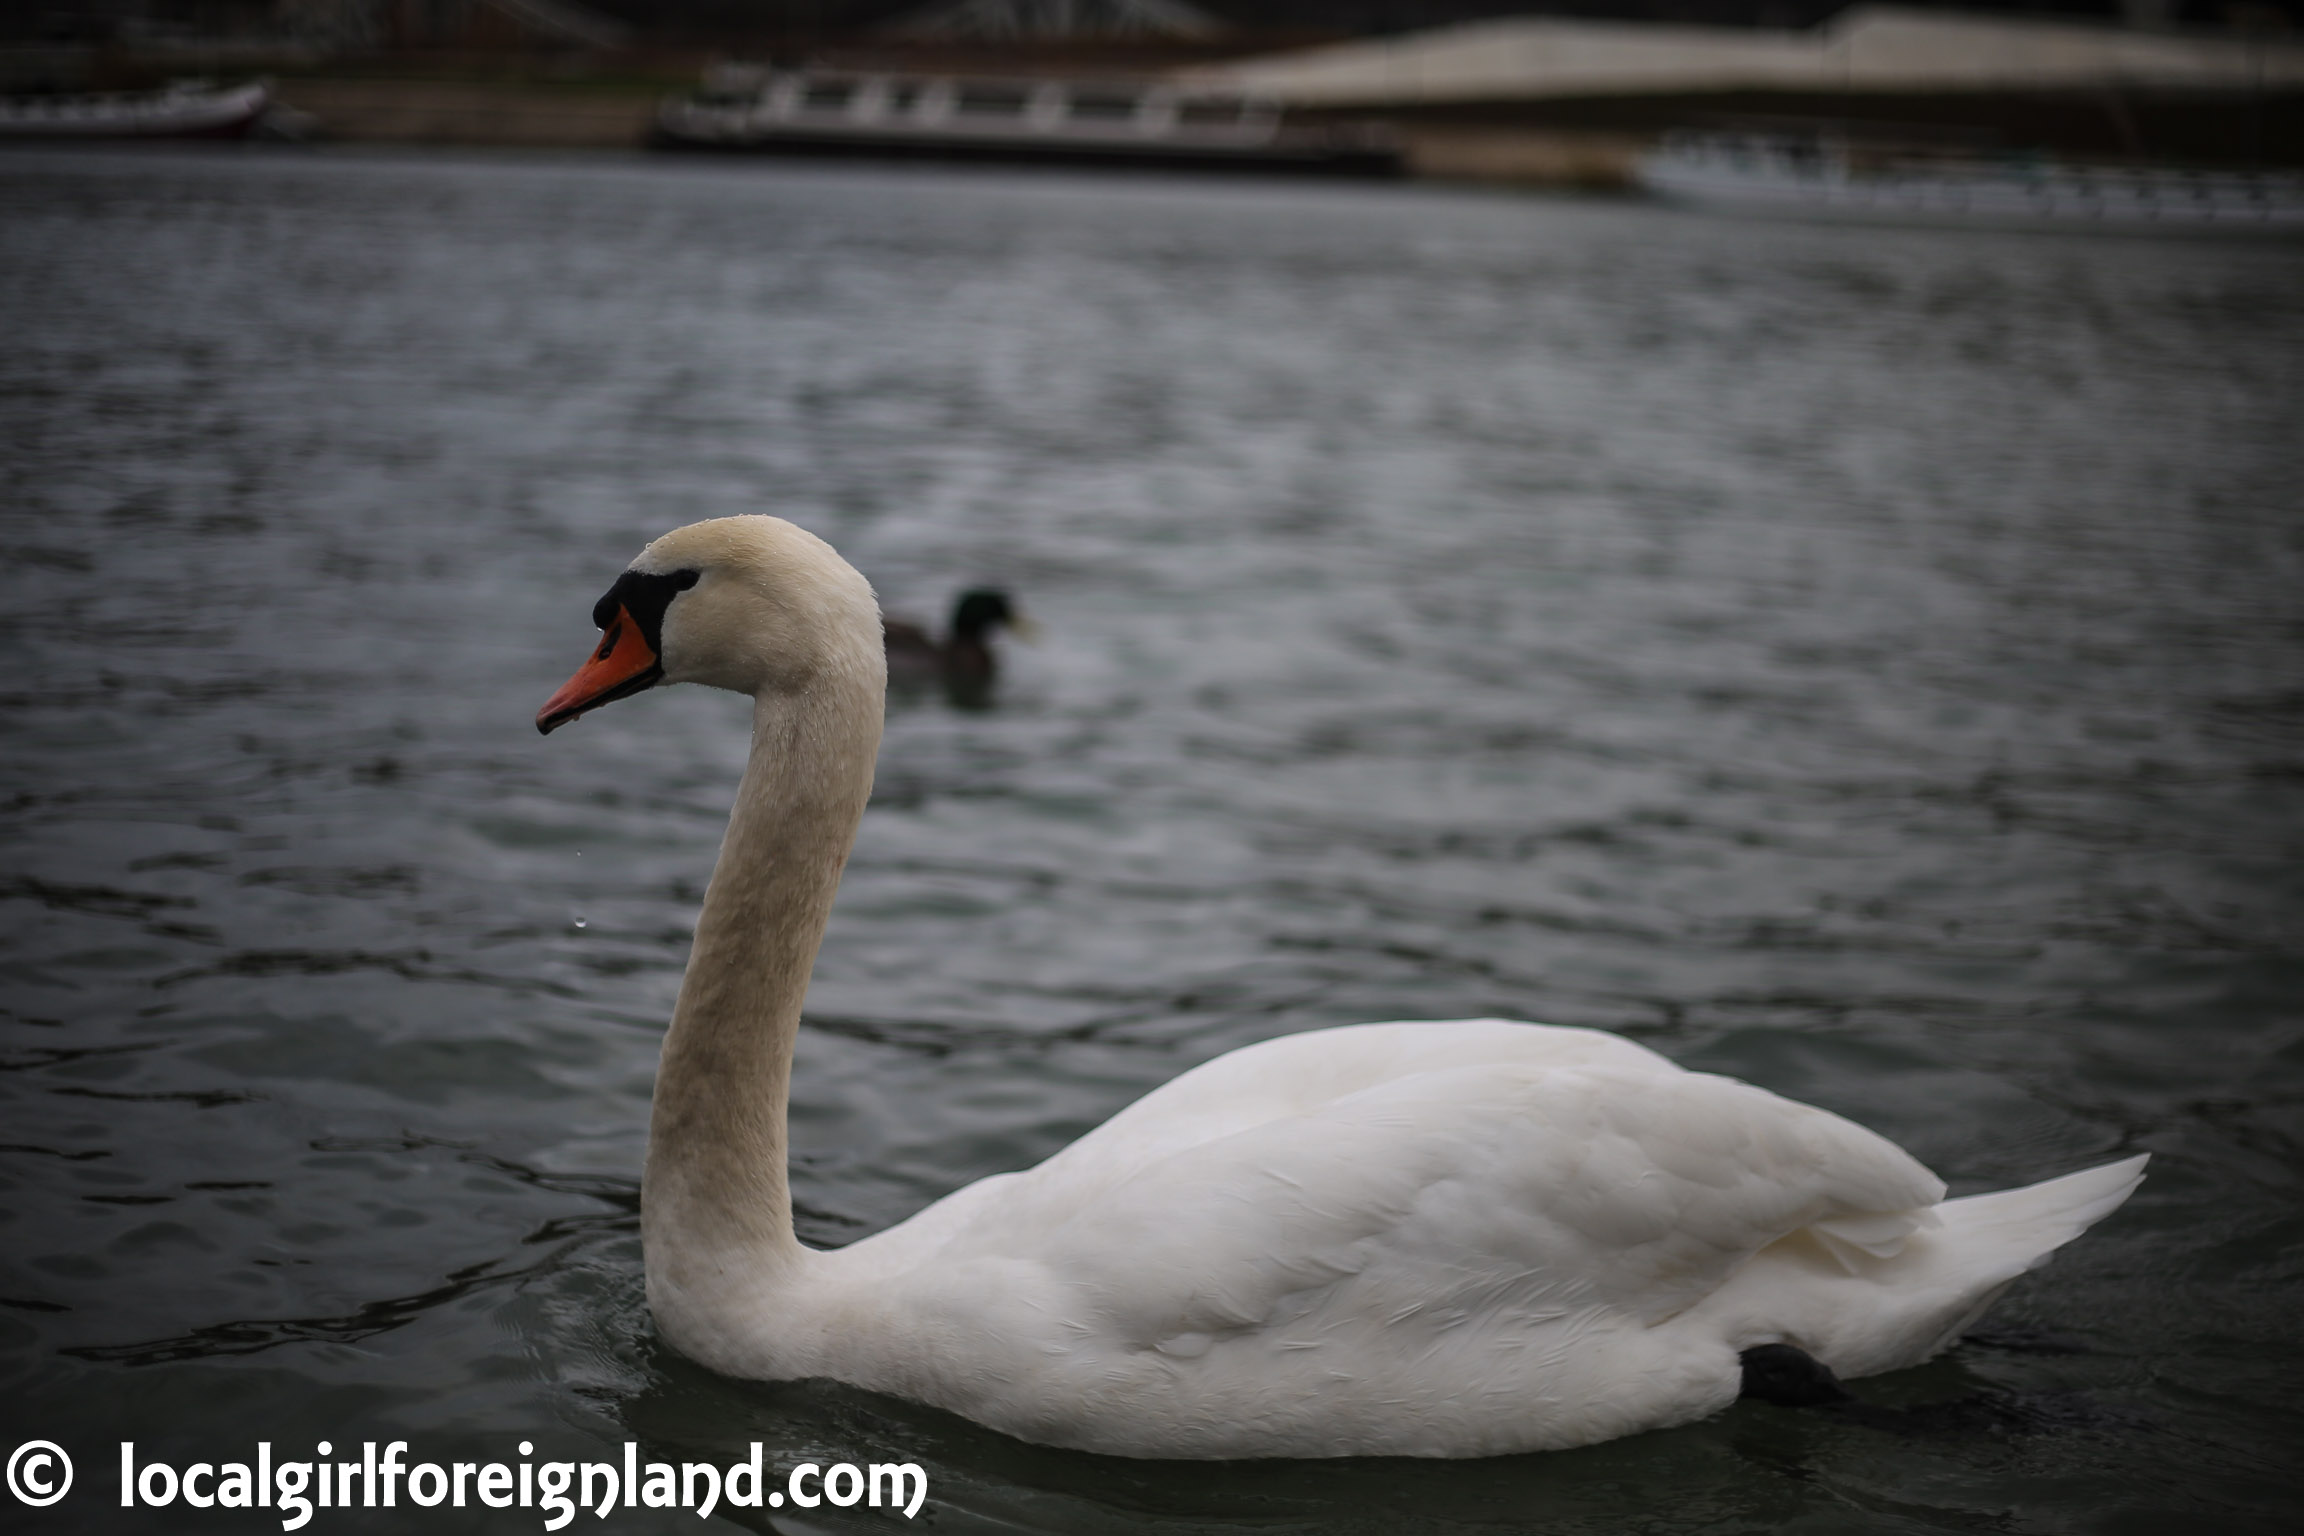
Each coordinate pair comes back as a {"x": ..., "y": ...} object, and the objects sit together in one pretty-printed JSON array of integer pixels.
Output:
[
  {"x": 1593, "y": 141},
  {"x": 474, "y": 113},
  {"x": 1521, "y": 156}
]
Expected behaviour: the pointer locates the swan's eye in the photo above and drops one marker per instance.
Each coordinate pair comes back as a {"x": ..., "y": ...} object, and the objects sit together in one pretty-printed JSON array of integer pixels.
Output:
[{"x": 644, "y": 595}]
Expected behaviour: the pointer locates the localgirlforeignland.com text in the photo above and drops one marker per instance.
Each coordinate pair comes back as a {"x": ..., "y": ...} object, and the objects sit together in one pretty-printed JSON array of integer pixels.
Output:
[{"x": 387, "y": 1480}]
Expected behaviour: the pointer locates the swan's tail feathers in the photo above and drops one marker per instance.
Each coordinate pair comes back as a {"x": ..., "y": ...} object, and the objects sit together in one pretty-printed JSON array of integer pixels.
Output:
[
  {"x": 1881, "y": 1305},
  {"x": 2031, "y": 1223},
  {"x": 1986, "y": 1241}
]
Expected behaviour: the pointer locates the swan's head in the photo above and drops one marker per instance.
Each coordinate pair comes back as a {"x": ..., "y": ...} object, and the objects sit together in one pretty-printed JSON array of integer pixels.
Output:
[{"x": 753, "y": 604}]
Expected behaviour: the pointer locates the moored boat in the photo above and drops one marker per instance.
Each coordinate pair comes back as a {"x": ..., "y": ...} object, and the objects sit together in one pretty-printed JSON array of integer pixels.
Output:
[
  {"x": 187, "y": 109},
  {"x": 1106, "y": 122}
]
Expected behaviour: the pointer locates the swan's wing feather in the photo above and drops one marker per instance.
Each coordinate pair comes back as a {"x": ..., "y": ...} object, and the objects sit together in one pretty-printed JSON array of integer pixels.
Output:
[
  {"x": 1488, "y": 1191},
  {"x": 1292, "y": 1075}
]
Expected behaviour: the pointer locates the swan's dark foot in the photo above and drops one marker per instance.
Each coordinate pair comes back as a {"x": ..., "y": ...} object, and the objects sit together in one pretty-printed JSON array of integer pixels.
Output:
[{"x": 1789, "y": 1378}]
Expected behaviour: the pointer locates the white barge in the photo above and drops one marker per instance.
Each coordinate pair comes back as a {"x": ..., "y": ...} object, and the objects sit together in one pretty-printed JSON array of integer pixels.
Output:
[{"x": 1101, "y": 122}]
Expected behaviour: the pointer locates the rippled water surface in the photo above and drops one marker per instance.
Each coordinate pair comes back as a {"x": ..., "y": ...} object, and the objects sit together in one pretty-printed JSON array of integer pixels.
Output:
[{"x": 1863, "y": 661}]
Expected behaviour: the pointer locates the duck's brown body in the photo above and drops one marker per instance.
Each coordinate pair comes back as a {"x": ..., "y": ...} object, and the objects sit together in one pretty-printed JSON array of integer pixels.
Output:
[{"x": 964, "y": 665}]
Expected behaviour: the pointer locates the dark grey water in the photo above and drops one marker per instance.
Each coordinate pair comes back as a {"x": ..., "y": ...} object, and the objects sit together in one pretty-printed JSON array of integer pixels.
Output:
[{"x": 1863, "y": 661}]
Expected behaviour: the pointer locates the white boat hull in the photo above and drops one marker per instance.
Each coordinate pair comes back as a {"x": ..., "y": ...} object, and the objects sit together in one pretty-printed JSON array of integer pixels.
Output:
[
  {"x": 1742, "y": 176},
  {"x": 176, "y": 113}
]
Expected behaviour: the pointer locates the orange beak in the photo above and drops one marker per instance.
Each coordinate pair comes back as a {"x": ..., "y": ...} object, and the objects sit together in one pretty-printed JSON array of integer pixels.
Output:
[{"x": 620, "y": 668}]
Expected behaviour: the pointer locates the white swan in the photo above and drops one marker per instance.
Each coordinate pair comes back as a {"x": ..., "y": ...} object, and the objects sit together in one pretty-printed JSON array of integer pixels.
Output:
[{"x": 1439, "y": 1239}]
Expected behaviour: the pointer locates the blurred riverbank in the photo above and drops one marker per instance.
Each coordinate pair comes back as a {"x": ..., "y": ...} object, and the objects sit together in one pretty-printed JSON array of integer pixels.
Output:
[
  {"x": 1530, "y": 100},
  {"x": 538, "y": 114},
  {"x": 1580, "y": 144}
]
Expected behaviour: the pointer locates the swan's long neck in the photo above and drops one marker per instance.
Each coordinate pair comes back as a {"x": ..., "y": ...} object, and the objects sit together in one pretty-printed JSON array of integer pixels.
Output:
[{"x": 715, "y": 1205}]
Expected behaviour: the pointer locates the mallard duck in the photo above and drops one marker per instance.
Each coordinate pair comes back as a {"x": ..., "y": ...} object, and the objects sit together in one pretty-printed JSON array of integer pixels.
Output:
[{"x": 964, "y": 665}]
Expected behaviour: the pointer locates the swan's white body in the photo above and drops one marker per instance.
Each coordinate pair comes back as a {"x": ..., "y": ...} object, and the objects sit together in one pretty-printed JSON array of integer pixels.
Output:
[{"x": 1433, "y": 1239}]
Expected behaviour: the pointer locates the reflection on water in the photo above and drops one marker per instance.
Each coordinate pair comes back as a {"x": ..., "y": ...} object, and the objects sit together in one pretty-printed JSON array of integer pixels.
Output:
[{"x": 1863, "y": 661}]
